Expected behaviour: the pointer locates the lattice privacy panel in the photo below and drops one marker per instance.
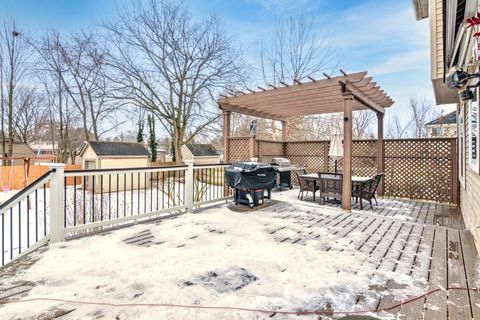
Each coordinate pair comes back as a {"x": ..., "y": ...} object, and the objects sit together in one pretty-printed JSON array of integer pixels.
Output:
[
  {"x": 310, "y": 155},
  {"x": 414, "y": 168},
  {"x": 267, "y": 150},
  {"x": 239, "y": 149},
  {"x": 421, "y": 169}
]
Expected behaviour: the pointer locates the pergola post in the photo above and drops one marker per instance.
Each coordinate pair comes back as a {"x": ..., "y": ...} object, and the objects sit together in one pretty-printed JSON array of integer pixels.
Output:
[
  {"x": 285, "y": 125},
  {"x": 347, "y": 152},
  {"x": 284, "y": 131},
  {"x": 380, "y": 152},
  {"x": 226, "y": 134},
  {"x": 226, "y": 146}
]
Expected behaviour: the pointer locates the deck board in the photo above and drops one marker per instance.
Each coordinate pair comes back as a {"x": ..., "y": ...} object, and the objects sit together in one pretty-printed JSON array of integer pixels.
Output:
[
  {"x": 421, "y": 239},
  {"x": 459, "y": 304}
]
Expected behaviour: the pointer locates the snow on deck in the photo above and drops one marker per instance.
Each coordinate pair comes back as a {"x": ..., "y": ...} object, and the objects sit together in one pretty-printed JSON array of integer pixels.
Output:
[{"x": 290, "y": 256}]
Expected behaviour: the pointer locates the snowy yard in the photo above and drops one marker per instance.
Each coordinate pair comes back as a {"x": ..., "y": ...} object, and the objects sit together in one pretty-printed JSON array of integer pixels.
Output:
[{"x": 290, "y": 256}]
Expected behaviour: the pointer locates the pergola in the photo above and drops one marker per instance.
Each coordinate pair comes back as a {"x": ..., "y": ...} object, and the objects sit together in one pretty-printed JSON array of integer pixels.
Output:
[{"x": 343, "y": 93}]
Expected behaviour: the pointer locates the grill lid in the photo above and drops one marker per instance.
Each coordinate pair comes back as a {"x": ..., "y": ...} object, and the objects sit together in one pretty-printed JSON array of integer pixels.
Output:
[{"x": 283, "y": 162}]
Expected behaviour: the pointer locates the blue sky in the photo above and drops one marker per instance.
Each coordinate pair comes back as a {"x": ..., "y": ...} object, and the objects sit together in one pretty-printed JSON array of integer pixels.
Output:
[{"x": 381, "y": 37}]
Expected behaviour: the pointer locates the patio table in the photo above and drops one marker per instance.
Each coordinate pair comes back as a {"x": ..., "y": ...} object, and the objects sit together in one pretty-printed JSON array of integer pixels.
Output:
[{"x": 357, "y": 182}]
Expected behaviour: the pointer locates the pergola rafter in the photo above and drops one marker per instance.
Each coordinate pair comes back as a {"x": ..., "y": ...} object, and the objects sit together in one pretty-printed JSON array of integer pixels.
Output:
[{"x": 344, "y": 93}]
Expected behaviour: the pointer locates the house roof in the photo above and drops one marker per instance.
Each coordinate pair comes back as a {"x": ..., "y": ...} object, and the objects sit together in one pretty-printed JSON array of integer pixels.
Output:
[
  {"x": 202, "y": 150},
  {"x": 449, "y": 118},
  {"x": 421, "y": 9},
  {"x": 104, "y": 148}
]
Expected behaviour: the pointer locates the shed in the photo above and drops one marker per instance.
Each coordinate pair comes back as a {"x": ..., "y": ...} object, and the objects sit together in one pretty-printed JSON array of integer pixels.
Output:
[
  {"x": 201, "y": 153},
  {"x": 20, "y": 150},
  {"x": 113, "y": 155}
]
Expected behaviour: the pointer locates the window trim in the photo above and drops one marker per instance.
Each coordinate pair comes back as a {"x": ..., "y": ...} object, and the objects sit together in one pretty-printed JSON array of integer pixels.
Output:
[
  {"x": 473, "y": 163},
  {"x": 461, "y": 146}
]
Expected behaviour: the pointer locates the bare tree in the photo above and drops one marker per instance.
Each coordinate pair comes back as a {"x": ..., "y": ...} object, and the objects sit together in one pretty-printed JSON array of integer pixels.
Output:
[
  {"x": 421, "y": 112},
  {"x": 63, "y": 115},
  {"x": 78, "y": 61},
  {"x": 396, "y": 129},
  {"x": 295, "y": 51},
  {"x": 172, "y": 65},
  {"x": 362, "y": 124},
  {"x": 14, "y": 53},
  {"x": 30, "y": 115}
]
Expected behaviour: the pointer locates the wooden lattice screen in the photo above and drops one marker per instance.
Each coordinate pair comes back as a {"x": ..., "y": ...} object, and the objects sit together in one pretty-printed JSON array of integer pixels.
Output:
[
  {"x": 414, "y": 168},
  {"x": 269, "y": 149},
  {"x": 421, "y": 169},
  {"x": 239, "y": 149}
]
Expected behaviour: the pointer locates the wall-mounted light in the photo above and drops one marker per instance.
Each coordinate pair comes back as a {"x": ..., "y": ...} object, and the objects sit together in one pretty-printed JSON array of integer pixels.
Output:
[{"x": 458, "y": 80}]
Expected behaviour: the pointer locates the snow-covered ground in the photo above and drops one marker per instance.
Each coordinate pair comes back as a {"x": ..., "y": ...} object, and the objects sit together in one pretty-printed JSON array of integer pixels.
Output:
[
  {"x": 21, "y": 228},
  {"x": 216, "y": 257}
]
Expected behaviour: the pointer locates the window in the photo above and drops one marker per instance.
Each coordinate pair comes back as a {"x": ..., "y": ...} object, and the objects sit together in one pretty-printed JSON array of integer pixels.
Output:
[
  {"x": 461, "y": 145},
  {"x": 473, "y": 135}
]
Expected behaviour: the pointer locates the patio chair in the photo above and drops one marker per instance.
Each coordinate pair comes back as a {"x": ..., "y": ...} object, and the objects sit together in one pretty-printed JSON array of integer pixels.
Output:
[
  {"x": 331, "y": 185},
  {"x": 369, "y": 190},
  {"x": 306, "y": 185}
]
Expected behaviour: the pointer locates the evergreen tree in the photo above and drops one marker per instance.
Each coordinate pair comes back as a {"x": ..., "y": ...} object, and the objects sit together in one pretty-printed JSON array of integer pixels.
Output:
[
  {"x": 140, "y": 131},
  {"x": 152, "y": 138}
]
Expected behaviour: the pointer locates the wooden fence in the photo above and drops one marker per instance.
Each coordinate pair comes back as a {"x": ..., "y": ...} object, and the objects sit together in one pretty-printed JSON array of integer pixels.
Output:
[
  {"x": 13, "y": 177},
  {"x": 423, "y": 169}
]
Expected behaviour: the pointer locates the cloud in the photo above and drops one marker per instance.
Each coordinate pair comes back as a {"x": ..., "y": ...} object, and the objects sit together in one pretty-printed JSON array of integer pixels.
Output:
[{"x": 401, "y": 62}]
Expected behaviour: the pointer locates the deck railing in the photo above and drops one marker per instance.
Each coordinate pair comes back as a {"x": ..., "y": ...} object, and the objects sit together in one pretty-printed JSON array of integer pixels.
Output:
[
  {"x": 25, "y": 219},
  {"x": 66, "y": 204}
]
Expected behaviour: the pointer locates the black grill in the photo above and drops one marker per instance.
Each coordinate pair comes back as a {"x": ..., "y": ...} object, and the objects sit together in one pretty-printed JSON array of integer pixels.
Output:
[
  {"x": 284, "y": 169},
  {"x": 250, "y": 181}
]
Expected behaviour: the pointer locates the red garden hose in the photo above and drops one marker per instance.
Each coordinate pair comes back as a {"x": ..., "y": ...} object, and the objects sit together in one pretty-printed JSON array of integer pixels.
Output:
[{"x": 186, "y": 306}]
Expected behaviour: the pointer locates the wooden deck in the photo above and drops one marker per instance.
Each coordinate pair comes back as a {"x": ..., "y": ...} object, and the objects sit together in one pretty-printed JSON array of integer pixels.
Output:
[{"x": 419, "y": 239}]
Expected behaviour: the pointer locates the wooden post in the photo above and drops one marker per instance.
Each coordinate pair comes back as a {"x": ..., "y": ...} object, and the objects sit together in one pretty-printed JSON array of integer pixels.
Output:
[
  {"x": 285, "y": 125},
  {"x": 347, "y": 152},
  {"x": 454, "y": 171},
  {"x": 380, "y": 152},
  {"x": 226, "y": 146},
  {"x": 326, "y": 160},
  {"x": 226, "y": 134},
  {"x": 251, "y": 147},
  {"x": 284, "y": 131}
]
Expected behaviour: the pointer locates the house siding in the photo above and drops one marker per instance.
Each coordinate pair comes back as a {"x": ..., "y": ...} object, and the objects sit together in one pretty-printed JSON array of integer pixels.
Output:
[
  {"x": 436, "y": 34},
  {"x": 470, "y": 191}
]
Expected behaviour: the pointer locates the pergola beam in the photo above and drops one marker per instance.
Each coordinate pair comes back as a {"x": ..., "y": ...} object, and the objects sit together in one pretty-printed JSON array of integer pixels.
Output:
[
  {"x": 250, "y": 112},
  {"x": 360, "y": 96},
  {"x": 296, "y": 88}
]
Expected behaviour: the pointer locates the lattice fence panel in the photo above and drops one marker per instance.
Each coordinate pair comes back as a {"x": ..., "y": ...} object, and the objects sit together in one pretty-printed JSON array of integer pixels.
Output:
[
  {"x": 364, "y": 158},
  {"x": 239, "y": 149},
  {"x": 420, "y": 169},
  {"x": 310, "y": 155},
  {"x": 267, "y": 150},
  {"x": 414, "y": 168}
]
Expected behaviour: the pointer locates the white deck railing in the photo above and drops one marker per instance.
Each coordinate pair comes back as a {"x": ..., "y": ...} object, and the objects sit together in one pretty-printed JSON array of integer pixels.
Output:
[{"x": 79, "y": 202}]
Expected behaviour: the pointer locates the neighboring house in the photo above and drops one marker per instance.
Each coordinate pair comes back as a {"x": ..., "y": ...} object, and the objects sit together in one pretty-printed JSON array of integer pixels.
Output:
[
  {"x": 443, "y": 126},
  {"x": 113, "y": 155},
  {"x": 20, "y": 149},
  {"x": 201, "y": 153},
  {"x": 453, "y": 47},
  {"x": 44, "y": 149}
]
